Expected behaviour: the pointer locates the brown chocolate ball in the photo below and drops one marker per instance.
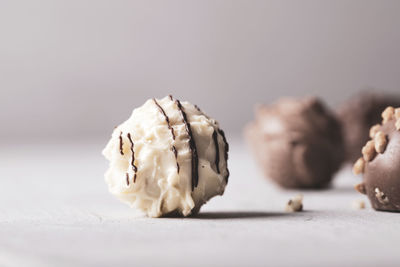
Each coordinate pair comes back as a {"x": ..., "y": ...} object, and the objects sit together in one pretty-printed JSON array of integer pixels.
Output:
[
  {"x": 380, "y": 164},
  {"x": 297, "y": 142},
  {"x": 358, "y": 114}
]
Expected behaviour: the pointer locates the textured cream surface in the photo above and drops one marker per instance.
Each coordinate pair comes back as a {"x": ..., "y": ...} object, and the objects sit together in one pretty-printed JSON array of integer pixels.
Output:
[{"x": 161, "y": 183}]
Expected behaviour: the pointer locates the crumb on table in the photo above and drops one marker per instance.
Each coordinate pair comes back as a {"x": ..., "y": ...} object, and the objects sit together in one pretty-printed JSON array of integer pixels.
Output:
[{"x": 295, "y": 204}]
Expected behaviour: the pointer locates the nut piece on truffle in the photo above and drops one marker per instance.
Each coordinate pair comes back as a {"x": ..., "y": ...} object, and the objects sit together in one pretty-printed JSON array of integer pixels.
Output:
[
  {"x": 297, "y": 142},
  {"x": 167, "y": 158},
  {"x": 374, "y": 129},
  {"x": 387, "y": 114},
  {"x": 381, "y": 172},
  {"x": 368, "y": 151},
  {"x": 397, "y": 113},
  {"x": 359, "y": 166},
  {"x": 295, "y": 204},
  {"x": 358, "y": 114},
  {"x": 397, "y": 125},
  {"x": 360, "y": 188},
  {"x": 380, "y": 142},
  {"x": 381, "y": 197}
]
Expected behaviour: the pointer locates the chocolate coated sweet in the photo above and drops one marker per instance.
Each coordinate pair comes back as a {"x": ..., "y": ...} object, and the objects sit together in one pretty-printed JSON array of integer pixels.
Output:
[
  {"x": 297, "y": 142},
  {"x": 358, "y": 114},
  {"x": 380, "y": 164}
]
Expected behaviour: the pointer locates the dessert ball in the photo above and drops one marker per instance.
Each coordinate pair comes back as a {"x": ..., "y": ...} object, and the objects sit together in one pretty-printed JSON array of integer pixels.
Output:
[
  {"x": 167, "y": 158},
  {"x": 357, "y": 115},
  {"x": 297, "y": 142},
  {"x": 380, "y": 163}
]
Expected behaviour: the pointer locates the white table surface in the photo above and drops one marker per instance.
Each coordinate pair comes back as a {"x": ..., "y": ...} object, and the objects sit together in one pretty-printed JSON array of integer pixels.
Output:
[{"x": 55, "y": 210}]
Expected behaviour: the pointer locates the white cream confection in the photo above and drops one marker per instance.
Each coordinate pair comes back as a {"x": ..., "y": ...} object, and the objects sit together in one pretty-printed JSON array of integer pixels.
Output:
[{"x": 167, "y": 158}]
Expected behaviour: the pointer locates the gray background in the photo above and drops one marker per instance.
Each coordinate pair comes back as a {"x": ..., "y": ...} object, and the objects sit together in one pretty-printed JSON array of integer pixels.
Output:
[{"x": 75, "y": 69}]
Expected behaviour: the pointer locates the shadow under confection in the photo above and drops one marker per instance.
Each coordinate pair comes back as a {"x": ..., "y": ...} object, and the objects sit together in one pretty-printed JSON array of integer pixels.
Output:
[{"x": 240, "y": 214}]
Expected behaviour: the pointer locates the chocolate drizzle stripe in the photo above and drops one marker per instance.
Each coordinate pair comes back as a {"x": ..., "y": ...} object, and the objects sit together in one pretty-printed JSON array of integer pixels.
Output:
[
  {"x": 173, "y": 148},
  {"x": 198, "y": 109},
  {"x": 215, "y": 138},
  {"x": 166, "y": 117},
  {"x": 222, "y": 133},
  {"x": 192, "y": 145},
  {"x": 121, "y": 144},
  {"x": 127, "y": 179},
  {"x": 202, "y": 113},
  {"x": 176, "y": 157},
  {"x": 226, "y": 150},
  {"x": 134, "y": 168}
]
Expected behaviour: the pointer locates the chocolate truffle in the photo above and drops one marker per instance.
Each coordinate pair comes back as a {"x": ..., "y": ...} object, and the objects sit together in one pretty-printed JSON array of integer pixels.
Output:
[
  {"x": 297, "y": 142},
  {"x": 380, "y": 163},
  {"x": 168, "y": 158},
  {"x": 358, "y": 114}
]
